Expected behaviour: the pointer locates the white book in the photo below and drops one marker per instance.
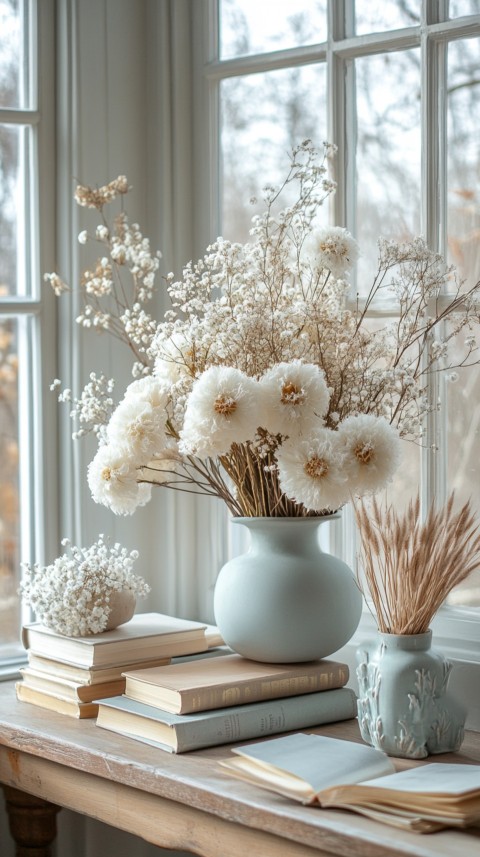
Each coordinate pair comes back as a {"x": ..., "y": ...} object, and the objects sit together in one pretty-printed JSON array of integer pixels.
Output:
[
  {"x": 145, "y": 636},
  {"x": 329, "y": 772}
]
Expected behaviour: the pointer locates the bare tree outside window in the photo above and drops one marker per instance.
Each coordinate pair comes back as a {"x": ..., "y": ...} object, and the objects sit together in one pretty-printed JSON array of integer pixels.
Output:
[
  {"x": 463, "y": 102},
  {"x": 263, "y": 117},
  {"x": 10, "y": 96},
  {"x": 264, "y": 114},
  {"x": 388, "y": 153},
  {"x": 250, "y": 27}
]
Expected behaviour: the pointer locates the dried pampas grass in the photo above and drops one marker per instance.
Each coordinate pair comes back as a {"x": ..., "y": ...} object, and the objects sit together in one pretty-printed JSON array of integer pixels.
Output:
[{"x": 410, "y": 565}]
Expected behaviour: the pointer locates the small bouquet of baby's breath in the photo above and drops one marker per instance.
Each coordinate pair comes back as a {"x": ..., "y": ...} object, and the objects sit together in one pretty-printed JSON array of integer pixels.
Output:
[
  {"x": 262, "y": 384},
  {"x": 411, "y": 565},
  {"x": 73, "y": 595}
]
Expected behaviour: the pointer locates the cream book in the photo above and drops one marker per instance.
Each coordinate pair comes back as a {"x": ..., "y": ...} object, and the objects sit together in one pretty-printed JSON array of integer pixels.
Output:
[
  {"x": 229, "y": 680},
  {"x": 70, "y": 689},
  {"x": 145, "y": 636},
  {"x": 60, "y": 704},
  {"x": 88, "y": 675},
  {"x": 329, "y": 772}
]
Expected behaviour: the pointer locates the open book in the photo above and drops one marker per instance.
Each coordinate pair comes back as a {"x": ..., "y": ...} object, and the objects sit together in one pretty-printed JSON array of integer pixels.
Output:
[{"x": 314, "y": 769}]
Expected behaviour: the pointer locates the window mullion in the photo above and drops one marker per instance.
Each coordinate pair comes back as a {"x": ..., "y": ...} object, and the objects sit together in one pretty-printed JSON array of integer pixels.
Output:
[
  {"x": 206, "y": 105},
  {"x": 341, "y": 107},
  {"x": 338, "y": 119},
  {"x": 433, "y": 220}
]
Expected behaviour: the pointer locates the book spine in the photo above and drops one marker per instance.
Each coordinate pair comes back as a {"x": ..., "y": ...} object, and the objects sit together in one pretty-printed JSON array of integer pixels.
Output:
[
  {"x": 264, "y": 689},
  {"x": 258, "y": 720}
]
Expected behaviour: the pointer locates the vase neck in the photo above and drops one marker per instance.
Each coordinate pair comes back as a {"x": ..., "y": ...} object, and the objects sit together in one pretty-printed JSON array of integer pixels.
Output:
[
  {"x": 407, "y": 642},
  {"x": 284, "y": 533}
]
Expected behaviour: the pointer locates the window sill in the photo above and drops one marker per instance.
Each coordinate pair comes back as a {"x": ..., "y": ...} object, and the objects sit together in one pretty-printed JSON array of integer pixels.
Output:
[{"x": 10, "y": 669}]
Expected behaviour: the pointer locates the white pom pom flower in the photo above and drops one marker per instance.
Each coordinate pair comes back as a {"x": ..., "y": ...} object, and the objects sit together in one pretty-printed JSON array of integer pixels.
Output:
[
  {"x": 372, "y": 452},
  {"x": 223, "y": 408},
  {"x": 150, "y": 390},
  {"x": 334, "y": 248},
  {"x": 138, "y": 427},
  {"x": 112, "y": 479},
  {"x": 311, "y": 471},
  {"x": 295, "y": 398}
]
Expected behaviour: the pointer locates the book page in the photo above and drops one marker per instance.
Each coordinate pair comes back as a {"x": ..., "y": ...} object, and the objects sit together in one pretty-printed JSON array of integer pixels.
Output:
[
  {"x": 395, "y": 818},
  {"x": 436, "y": 778},
  {"x": 319, "y": 761}
]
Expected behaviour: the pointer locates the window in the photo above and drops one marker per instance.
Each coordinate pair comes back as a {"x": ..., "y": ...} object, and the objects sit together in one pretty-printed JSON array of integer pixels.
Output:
[
  {"x": 395, "y": 86},
  {"x": 23, "y": 492},
  {"x": 370, "y": 77}
]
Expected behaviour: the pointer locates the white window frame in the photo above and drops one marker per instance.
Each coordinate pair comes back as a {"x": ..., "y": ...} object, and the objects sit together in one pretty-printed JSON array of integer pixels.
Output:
[
  {"x": 457, "y": 629},
  {"x": 35, "y": 310}
]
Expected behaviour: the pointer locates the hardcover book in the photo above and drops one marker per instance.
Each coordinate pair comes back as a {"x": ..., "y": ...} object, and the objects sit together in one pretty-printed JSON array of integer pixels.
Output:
[
  {"x": 230, "y": 680},
  {"x": 59, "y": 704},
  {"x": 70, "y": 689},
  {"x": 145, "y": 636},
  {"x": 180, "y": 733},
  {"x": 88, "y": 675},
  {"x": 329, "y": 772}
]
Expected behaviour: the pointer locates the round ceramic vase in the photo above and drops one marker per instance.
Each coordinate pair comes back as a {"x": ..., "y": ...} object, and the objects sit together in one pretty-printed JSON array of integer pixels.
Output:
[
  {"x": 122, "y": 603},
  {"x": 285, "y": 600},
  {"x": 404, "y": 707}
]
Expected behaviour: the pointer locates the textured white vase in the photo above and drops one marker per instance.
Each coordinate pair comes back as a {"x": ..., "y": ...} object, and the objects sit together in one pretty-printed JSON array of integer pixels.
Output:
[
  {"x": 285, "y": 600},
  {"x": 404, "y": 707}
]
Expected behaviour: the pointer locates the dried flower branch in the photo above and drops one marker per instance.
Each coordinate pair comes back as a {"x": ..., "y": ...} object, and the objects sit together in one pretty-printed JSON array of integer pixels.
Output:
[{"x": 410, "y": 566}]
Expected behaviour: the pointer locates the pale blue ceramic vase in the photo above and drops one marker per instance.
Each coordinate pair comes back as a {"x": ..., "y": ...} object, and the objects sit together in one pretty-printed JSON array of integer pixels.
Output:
[
  {"x": 285, "y": 600},
  {"x": 404, "y": 707}
]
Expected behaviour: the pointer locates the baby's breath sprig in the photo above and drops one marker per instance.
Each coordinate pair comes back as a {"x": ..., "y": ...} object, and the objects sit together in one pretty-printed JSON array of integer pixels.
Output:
[{"x": 72, "y": 595}]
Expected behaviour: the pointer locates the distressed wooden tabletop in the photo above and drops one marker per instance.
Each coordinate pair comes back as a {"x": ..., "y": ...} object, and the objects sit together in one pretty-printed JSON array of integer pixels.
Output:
[{"x": 186, "y": 801}]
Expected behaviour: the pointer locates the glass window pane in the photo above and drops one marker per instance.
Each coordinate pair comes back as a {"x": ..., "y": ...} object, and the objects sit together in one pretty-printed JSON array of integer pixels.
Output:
[
  {"x": 464, "y": 158},
  {"x": 9, "y": 487},
  {"x": 402, "y": 489},
  {"x": 464, "y": 252},
  {"x": 250, "y": 27},
  {"x": 463, "y": 418},
  {"x": 374, "y": 16},
  {"x": 388, "y": 154},
  {"x": 15, "y": 246},
  {"x": 263, "y": 117},
  {"x": 12, "y": 59},
  {"x": 458, "y": 8}
]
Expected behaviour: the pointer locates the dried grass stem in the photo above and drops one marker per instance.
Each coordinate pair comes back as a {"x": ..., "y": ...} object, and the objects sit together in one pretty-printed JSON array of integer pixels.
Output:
[{"x": 411, "y": 566}]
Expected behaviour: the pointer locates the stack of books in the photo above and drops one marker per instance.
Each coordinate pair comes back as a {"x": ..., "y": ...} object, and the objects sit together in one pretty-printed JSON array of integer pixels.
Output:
[
  {"x": 206, "y": 702},
  {"x": 69, "y": 674}
]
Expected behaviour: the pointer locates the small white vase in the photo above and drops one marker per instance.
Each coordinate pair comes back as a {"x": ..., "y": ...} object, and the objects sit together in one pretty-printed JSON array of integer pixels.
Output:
[
  {"x": 122, "y": 607},
  {"x": 285, "y": 600},
  {"x": 404, "y": 707}
]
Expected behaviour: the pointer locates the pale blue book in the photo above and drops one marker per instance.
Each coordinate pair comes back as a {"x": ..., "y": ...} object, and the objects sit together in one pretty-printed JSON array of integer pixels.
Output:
[{"x": 180, "y": 733}]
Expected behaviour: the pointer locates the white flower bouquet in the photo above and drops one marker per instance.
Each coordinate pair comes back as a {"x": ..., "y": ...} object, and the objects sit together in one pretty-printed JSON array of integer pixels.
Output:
[{"x": 262, "y": 385}]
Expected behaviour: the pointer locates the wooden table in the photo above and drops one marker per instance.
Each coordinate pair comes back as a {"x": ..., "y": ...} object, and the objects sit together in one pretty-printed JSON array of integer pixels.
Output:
[{"x": 184, "y": 802}]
